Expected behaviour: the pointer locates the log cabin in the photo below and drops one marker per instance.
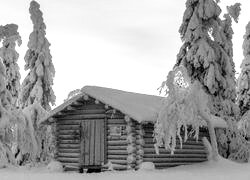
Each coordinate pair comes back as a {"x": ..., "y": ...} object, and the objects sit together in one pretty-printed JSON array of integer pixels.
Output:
[{"x": 103, "y": 128}]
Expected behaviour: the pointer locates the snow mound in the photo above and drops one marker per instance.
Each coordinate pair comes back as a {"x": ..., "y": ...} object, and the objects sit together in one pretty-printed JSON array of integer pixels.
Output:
[
  {"x": 55, "y": 166},
  {"x": 147, "y": 166}
]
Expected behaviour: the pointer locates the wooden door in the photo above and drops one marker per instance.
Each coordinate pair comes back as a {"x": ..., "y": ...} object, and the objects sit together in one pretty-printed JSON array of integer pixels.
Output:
[{"x": 92, "y": 142}]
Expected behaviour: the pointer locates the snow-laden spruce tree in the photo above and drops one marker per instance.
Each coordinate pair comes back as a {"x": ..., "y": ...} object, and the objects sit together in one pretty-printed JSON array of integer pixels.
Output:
[
  {"x": 37, "y": 86},
  {"x": 243, "y": 84},
  {"x": 9, "y": 56},
  {"x": 207, "y": 53},
  {"x": 37, "y": 94}
]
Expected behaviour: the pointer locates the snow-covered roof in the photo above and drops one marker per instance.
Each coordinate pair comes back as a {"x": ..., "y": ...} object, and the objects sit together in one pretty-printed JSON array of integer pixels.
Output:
[{"x": 140, "y": 107}]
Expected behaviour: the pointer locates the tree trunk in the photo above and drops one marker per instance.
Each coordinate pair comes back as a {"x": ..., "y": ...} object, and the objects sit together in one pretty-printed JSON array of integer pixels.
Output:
[{"x": 206, "y": 116}]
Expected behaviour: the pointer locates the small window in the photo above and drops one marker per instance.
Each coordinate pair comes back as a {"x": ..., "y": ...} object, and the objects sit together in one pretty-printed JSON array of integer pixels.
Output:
[{"x": 117, "y": 130}]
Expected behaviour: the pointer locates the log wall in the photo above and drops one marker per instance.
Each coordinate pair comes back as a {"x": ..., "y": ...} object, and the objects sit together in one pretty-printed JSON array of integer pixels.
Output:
[{"x": 192, "y": 151}]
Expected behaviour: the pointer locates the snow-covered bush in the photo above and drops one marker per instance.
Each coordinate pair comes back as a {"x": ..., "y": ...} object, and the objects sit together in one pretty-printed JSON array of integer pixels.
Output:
[
  {"x": 55, "y": 166},
  {"x": 233, "y": 143},
  {"x": 147, "y": 166}
]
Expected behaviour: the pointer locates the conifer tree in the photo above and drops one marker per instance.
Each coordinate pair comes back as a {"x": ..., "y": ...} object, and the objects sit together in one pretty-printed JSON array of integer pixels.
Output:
[
  {"x": 207, "y": 53},
  {"x": 9, "y": 57},
  {"x": 37, "y": 94},
  {"x": 243, "y": 84},
  {"x": 37, "y": 86}
]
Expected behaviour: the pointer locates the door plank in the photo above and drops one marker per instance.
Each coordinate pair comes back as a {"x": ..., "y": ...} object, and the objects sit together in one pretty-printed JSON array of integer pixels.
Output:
[
  {"x": 98, "y": 143},
  {"x": 87, "y": 142},
  {"x": 102, "y": 143},
  {"x": 92, "y": 143},
  {"x": 81, "y": 144}
]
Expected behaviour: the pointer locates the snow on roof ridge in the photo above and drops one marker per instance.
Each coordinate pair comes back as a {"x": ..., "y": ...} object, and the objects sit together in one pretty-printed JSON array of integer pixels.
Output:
[{"x": 140, "y": 107}]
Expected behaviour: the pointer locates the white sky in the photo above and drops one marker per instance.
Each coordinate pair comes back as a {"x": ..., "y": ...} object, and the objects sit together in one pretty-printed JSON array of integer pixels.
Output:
[{"x": 124, "y": 44}]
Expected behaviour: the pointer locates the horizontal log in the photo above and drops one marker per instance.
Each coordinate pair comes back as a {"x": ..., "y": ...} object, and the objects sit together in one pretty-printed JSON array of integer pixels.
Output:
[
  {"x": 68, "y": 127},
  {"x": 69, "y": 136},
  {"x": 68, "y": 131},
  {"x": 63, "y": 150},
  {"x": 69, "y": 146},
  {"x": 116, "y": 161},
  {"x": 178, "y": 151},
  {"x": 178, "y": 146},
  {"x": 81, "y": 117},
  {"x": 69, "y": 155},
  {"x": 118, "y": 152},
  {"x": 174, "y": 156},
  {"x": 163, "y": 160},
  {"x": 115, "y": 157},
  {"x": 83, "y": 111},
  {"x": 124, "y": 147},
  {"x": 116, "y": 143},
  {"x": 66, "y": 141},
  {"x": 193, "y": 142},
  {"x": 150, "y": 133},
  {"x": 87, "y": 106},
  {"x": 68, "y": 122},
  {"x": 117, "y": 138},
  {"x": 67, "y": 160},
  {"x": 116, "y": 121}
]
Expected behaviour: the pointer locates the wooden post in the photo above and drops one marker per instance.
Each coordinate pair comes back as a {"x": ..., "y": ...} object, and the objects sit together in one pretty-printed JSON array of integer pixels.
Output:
[
  {"x": 139, "y": 146},
  {"x": 131, "y": 139}
]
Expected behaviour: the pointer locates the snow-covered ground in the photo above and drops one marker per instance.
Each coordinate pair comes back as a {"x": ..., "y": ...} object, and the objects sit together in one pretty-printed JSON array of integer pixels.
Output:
[{"x": 223, "y": 169}]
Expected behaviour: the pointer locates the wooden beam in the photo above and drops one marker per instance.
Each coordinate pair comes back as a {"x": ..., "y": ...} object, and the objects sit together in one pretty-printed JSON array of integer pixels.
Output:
[
  {"x": 68, "y": 155},
  {"x": 117, "y": 143},
  {"x": 81, "y": 116},
  {"x": 160, "y": 156},
  {"x": 179, "y": 151},
  {"x": 183, "y": 160}
]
